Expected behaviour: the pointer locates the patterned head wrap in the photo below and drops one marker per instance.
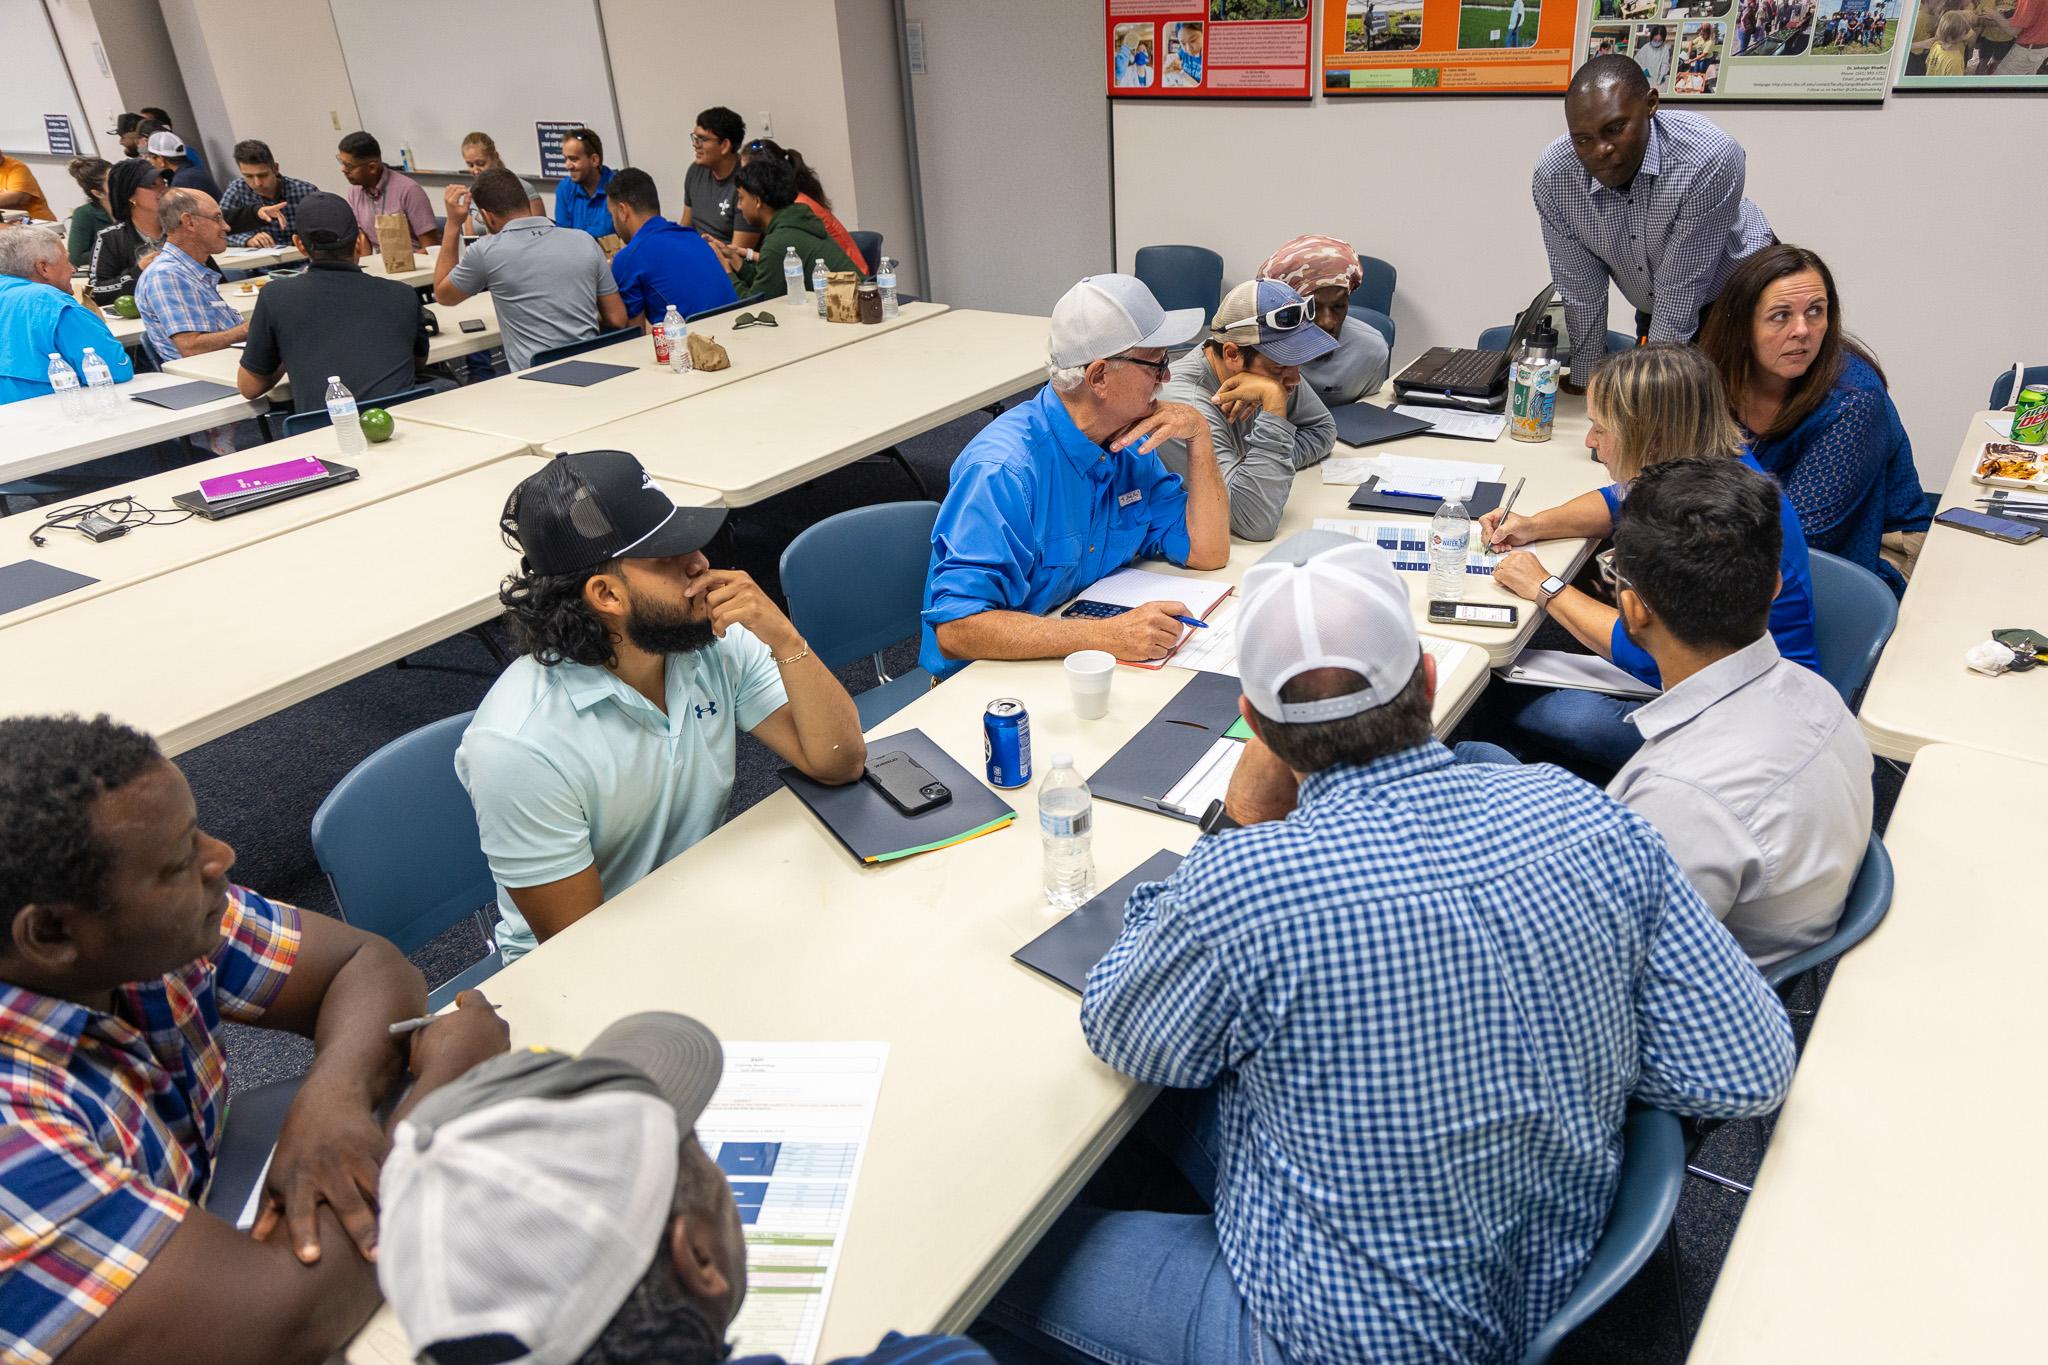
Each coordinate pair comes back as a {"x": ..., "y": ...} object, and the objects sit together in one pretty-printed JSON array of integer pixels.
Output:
[{"x": 1314, "y": 262}]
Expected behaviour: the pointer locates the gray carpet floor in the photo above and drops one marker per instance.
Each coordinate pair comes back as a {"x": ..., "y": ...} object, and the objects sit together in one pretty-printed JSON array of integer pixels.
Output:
[{"x": 258, "y": 788}]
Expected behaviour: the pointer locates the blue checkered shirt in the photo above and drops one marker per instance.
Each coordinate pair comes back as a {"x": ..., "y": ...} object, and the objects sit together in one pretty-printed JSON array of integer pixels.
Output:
[
  {"x": 178, "y": 294},
  {"x": 1425, "y": 998},
  {"x": 239, "y": 197},
  {"x": 1669, "y": 241}
]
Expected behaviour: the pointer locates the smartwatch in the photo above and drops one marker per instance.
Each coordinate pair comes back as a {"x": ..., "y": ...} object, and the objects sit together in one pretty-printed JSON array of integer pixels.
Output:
[
  {"x": 1216, "y": 819},
  {"x": 1551, "y": 587}
]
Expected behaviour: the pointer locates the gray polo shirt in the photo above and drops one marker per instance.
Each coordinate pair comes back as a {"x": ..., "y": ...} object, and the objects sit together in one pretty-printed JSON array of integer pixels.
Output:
[
  {"x": 1759, "y": 780},
  {"x": 1356, "y": 368},
  {"x": 714, "y": 204},
  {"x": 545, "y": 282},
  {"x": 1258, "y": 454}
]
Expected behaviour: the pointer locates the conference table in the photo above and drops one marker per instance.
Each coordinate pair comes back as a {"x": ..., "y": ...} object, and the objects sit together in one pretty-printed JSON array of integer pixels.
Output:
[
  {"x": 36, "y": 437},
  {"x": 224, "y": 365},
  {"x": 1964, "y": 587},
  {"x": 328, "y": 602},
  {"x": 1898, "y": 1212}
]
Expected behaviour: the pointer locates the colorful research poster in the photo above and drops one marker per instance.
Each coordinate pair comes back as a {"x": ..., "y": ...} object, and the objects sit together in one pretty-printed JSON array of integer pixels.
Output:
[
  {"x": 1477, "y": 47},
  {"x": 1214, "y": 49},
  {"x": 1975, "y": 45},
  {"x": 1753, "y": 49}
]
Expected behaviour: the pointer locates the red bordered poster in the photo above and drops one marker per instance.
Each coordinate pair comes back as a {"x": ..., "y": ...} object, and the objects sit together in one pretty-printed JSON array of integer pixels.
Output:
[{"x": 1209, "y": 49}]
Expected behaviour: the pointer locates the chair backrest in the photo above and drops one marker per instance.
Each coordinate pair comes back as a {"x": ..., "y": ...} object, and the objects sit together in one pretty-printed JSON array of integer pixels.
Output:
[
  {"x": 2001, "y": 387},
  {"x": 1870, "y": 896},
  {"x": 1376, "y": 289},
  {"x": 855, "y": 581},
  {"x": 554, "y": 353},
  {"x": 398, "y": 839},
  {"x": 1645, "y": 1198},
  {"x": 1375, "y": 319},
  {"x": 300, "y": 422},
  {"x": 870, "y": 244},
  {"x": 1182, "y": 277},
  {"x": 748, "y": 302},
  {"x": 1853, "y": 615},
  {"x": 1496, "y": 338}
]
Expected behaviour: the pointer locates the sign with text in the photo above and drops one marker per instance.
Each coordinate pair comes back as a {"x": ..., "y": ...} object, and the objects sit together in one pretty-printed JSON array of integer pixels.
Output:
[
  {"x": 1213, "y": 49},
  {"x": 1472, "y": 47},
  {"x": 57, "y": 132},
  {"x": 551, "y": 132}
]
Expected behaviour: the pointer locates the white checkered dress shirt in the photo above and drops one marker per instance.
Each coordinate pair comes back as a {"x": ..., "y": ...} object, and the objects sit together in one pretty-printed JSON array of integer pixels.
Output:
[{"x": 1427, "y": 997}]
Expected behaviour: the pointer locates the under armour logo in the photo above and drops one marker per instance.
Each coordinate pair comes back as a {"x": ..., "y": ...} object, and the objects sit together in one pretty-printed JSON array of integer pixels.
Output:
[
  {"x": 725, "y": 204},
  {"x": 707, "y": 710}
]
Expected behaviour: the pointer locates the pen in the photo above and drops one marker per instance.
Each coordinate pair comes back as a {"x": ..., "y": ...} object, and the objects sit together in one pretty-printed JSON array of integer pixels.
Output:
[
  {"x": 1508, "y": 507},
  {"x": 405, "y": 1026},
  {"x": 1191, "y": 621}
]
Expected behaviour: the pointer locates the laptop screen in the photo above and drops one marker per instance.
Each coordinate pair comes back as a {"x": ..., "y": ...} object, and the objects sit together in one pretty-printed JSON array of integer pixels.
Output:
[{"x": 1526, "y": 323}]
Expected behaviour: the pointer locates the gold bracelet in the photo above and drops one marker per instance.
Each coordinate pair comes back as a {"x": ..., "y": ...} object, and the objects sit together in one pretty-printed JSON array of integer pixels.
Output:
[{"x": 795, "y": 658}]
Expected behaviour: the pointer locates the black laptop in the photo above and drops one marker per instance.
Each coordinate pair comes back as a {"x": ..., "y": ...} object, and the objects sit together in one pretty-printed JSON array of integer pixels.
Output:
[
  {"x": 217, "y": 508},
  {"x": 1467, "y": 377}
]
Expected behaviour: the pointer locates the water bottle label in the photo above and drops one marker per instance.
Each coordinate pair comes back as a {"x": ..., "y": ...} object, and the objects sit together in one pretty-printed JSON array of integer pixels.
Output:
[{"x": 1078, "y": 826}]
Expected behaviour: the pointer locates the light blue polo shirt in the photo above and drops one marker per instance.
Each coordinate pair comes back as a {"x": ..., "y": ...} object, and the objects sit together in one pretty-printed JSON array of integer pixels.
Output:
[{"x": 568, "y": 767}]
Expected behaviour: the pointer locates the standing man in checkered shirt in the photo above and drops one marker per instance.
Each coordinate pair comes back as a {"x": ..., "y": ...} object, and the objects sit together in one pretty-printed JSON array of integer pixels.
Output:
[
  {"x": 1648, "y": 198},
  {"x": 1406, "y": 1007}
]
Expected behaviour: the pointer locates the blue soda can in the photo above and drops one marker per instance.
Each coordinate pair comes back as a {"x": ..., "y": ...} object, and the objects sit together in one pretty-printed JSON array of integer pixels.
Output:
[{"x": 1006, "y": 742}]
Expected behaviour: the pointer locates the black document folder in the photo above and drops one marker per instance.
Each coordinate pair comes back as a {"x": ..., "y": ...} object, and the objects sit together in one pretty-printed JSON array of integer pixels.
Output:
[
  {"x": 1485, "y": 497},
  {"x": 577, "y": 374},
  {"x": 875, "y": 831},
  {"x": 1070, "y": 949},
  {"x": 1169, "y": 746},
  {"x": 29, "y": 581},
  {"x": 1363, "y": 424},
  {"x": 190, "y": 394}
]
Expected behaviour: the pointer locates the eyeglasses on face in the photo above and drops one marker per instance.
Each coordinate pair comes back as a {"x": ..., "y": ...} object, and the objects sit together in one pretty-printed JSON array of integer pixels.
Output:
[{"x": 1161, "y": 370}]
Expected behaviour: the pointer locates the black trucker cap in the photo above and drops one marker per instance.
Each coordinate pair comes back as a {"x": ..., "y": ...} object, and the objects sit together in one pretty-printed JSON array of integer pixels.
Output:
[{"x": 582, "y": 509}]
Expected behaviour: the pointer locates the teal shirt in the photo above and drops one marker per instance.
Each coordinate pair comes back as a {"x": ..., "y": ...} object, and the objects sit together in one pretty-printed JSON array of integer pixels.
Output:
[
  {"x": 35, "y": 320},
  {"x": 569, "y": 767}
]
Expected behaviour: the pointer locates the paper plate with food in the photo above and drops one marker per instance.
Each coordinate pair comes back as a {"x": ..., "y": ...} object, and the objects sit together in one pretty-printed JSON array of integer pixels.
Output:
[{"x": 2005, "y": 465}]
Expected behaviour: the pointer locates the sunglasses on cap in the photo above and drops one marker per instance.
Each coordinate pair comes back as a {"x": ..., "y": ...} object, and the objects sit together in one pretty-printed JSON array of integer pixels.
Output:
[{"x": 1289, "y": 317}]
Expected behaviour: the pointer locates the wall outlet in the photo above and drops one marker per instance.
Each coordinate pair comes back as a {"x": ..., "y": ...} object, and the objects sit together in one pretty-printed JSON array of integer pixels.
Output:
[
  {"x": 334, "y": 117},
  {"x": 766, "y": 124}
]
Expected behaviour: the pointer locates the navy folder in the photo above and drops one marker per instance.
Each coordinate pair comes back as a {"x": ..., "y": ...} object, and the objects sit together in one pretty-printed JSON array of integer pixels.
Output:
[
  {"x": 1363, "y": 424},
  {"x": 1162, "y": 753},
  {"x": 871, "y": 827},
  {"x": 190, "y": 394},
  {"x": 29, "y": 581},
  {"x": 1070, "y": 949},
  {"x": 1485, "y": 497},
  {"x": 248, "y": 1135},
  {"x": 579, "y": 374}
]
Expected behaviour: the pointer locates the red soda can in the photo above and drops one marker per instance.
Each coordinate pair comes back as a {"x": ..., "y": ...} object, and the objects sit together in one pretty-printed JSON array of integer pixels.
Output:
[{"x": 661, "y": 346}]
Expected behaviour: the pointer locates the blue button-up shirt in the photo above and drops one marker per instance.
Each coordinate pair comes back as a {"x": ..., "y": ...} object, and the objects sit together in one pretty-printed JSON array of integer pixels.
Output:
[
  {"x": 590, "y": 210},
  {"x": 178, "y": 294},
  {"x": 1426, "y": 998},
  {"x": 1036, "y": 513},
  {"x": 1669, "y": 241},
  {"x": 36, "y": 319}
]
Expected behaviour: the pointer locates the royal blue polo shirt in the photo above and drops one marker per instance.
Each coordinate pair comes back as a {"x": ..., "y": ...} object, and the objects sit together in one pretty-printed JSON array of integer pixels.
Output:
[
  {"x": 1036, "y": 513},
  {"x": 577, "y": 207},
  {"x": 667, "y": 263}
]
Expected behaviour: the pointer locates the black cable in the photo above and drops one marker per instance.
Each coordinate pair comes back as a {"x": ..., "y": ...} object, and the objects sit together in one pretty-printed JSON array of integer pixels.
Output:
[{"x": 125, "y": 513}]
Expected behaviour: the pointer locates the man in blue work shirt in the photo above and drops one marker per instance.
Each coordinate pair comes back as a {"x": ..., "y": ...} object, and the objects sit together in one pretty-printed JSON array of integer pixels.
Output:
[
  {"x": 662, "y": 262},
  {"x": 1061, "y": 491},
  {"x": 581, "y": 201},
  {"x": 38, "y": 316}
]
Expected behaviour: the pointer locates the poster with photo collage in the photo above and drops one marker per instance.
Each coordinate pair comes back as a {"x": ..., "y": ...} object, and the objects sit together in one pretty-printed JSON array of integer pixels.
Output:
[
  {"x": 1704, "y": 50},
  {"x": 1975, "y": 45},
  {"x": 1208, "y": 49}
]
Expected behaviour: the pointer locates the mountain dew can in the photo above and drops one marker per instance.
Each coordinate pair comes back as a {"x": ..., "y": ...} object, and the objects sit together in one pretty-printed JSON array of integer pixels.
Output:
[{"x": 2030, "y": 417}]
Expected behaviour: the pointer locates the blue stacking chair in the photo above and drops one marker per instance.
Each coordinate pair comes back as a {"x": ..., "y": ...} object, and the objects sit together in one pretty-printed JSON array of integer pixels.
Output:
[
  {"x": 1182, "y": 277},
  {"x": 298, "y": 423},
  {"x": 554, "y": 353},
  {"x": 855, "y": 584},
  {"x": 748, "y": 302},
  {"x": 1496, "y": 339},
  {"x": 870, "y": 244},
  {"x": 2001, "y": 387},
  {"x": 1853, "y": 616},
  {"x": 1375, "y": 319},
  {"x": 1645, "y": 1199},
  {"x": 1376, "y": 290},
  {"x": 398, "y": 841}
]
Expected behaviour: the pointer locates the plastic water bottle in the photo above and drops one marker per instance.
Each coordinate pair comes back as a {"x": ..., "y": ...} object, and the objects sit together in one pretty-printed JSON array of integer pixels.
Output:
[
  {"x": 99, "y": 384},
  {"x": 793, "y": 274},
  {"x": 677, "y": 331},
  {"x": 341, "y": 411},
  {"x": 71, "y": 399},
  {"x": 1066, "y": 827},
  {"x": 885, "y": 280},
  {"x": 1450, "y": 533},
  {"x": 817, "y": 283}
]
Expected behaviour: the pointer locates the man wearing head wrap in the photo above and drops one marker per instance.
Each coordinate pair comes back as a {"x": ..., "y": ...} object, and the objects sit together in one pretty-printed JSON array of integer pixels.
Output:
[{"x": 1327, "y": 270}]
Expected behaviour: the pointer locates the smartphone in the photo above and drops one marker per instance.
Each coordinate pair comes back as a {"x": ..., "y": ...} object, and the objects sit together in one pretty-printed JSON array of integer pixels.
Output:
[
  {"x": 472, "y": 324},
  {"x": 906, "y": 782},
  {"x": 1997, "y": 528},
  {"x": 1475, "y": 614}
]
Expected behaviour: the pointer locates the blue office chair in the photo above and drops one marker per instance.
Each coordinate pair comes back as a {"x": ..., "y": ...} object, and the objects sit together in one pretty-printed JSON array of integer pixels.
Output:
[
  {"x": 748, "y": 302},
  {"x": 1376, "y": 289},
  {"x": 1496, "y": 339},
  {"x": 602, "y": 339},
  {"x": 855, "y": 584},
  {"x": 398, "y": 841},
  {"x": 2001, "y": 387},
  {"x": 1645, "y": 1198},
  {"x": 870, "y": 244},
  {"x": 1375, "y": 319},
  {"x": 298, "y": 423},
  {"x": 1182, "y": 277},
  {"x": 1853, "y": 616}
]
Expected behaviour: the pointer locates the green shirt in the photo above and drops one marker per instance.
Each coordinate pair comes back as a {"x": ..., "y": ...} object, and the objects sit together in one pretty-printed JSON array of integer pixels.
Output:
[{"x": 86, "y": 221}]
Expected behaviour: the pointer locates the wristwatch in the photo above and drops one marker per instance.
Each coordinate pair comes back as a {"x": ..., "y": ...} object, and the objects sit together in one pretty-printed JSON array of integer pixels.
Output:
[
  {"x": 1216, "y": 819},
  {"x": 1551, "y": 587}
]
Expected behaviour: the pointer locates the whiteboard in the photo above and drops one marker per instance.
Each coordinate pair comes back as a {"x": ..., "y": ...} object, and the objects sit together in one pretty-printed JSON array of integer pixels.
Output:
[
  {"x": 424, "y": 75},
  {"x": 35, "y": 82}
]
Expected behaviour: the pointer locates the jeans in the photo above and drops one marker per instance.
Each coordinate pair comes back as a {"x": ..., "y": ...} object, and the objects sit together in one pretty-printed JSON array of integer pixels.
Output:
[{"x": 1587, "y": 732}]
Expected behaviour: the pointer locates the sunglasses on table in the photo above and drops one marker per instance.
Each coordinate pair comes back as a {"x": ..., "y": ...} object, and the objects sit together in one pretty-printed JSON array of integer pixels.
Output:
[{"x": 764, "y": 318}]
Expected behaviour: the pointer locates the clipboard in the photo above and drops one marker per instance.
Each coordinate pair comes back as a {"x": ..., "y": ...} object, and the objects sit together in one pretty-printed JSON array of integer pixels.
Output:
[
  {"x": 1155, "y": 759},
  {"x": 1486, "y": 496},
  {"x": 1069, "y": 950}
]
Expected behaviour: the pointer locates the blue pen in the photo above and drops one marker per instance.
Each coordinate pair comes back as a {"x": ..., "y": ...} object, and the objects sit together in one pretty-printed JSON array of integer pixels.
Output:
[{"x": 1191, "y": 621}]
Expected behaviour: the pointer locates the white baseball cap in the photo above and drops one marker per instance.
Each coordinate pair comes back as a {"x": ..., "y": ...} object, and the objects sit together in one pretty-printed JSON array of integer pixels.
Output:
[
  {"x": 1324, "y": 600},
  {"x": 166, "y": 144},
  {"x": 1106, "y": 315},
  {"x": 526, "y": 1199}
]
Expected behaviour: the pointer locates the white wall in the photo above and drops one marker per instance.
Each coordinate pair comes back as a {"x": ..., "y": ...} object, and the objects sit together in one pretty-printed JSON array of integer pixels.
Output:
[
  {"x": 1911, "y": 204},
  {"x": 1013, "y": 149},
  {"x": 875, "y": 130},
  {"x": 279, "y": 78}
]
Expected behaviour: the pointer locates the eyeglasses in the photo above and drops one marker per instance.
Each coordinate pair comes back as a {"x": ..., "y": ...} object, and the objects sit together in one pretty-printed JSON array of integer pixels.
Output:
[
  {"x": 764, "y": 318},
  {"x": 700, "y": 140},
  {"x": 1611, "y": 576},
  {"x": 1161, "y": 370}
]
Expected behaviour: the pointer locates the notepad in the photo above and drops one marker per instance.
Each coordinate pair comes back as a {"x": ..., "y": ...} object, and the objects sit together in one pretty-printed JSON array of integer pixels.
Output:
[{"x": 1135, "y": 587}]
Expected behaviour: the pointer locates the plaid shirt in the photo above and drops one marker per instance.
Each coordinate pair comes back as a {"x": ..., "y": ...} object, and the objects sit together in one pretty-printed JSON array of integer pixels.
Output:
[
  {"x": 1669, "y": 241},
  {"x": 178, "y": 294},
  {"x": 239, "y": 197},
  {"x": 1426, "y": 998},
  {"x": 108, "y": 1124}
]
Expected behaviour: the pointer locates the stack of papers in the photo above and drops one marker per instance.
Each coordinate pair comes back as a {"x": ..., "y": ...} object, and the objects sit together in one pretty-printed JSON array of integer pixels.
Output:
[
  {"x": 1215, "y": 651},
  {"x": 1466, "y": 426},
  {"x": 1406, "y": 474},
  {"x": 1407, "y": 543},
  {"x": 1580, "y": 672}
]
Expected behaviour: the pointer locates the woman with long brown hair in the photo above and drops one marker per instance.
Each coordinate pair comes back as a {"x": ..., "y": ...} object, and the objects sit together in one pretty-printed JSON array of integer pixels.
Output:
[{"x": 1811, "y": 400}]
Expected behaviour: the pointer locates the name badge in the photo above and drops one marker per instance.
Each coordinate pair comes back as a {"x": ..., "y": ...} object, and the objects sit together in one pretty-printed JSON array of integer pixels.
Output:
[{"x": 1127, "y": 499}]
